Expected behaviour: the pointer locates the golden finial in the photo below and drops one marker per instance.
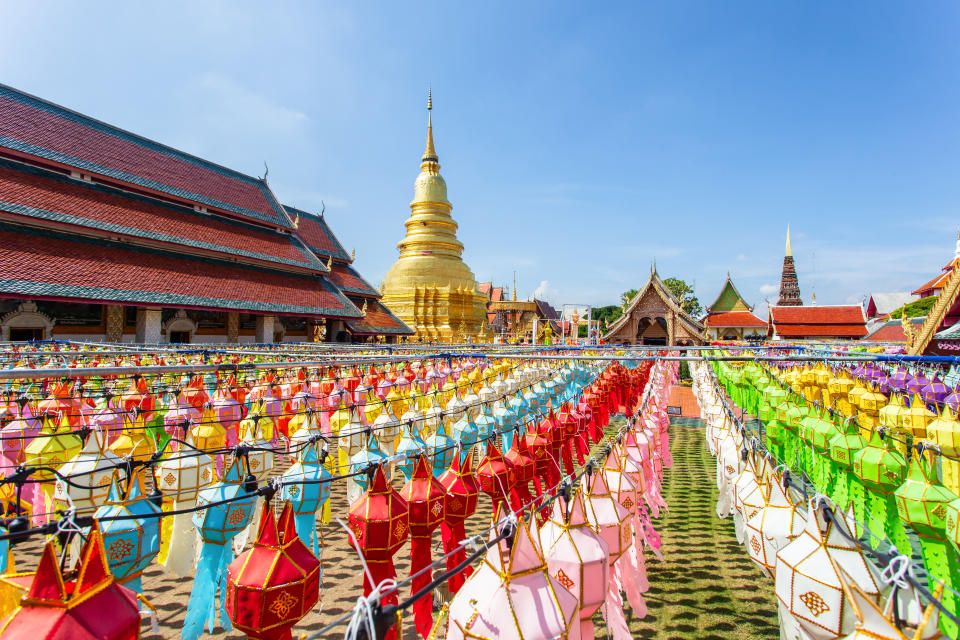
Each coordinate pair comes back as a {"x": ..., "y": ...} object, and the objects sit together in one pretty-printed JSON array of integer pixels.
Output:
[
  {"x": 353, "y": 254},
  {"x": 514, "y": 286},
  {"x": 364, "y": 308},
  {"x": 789, "y": 249},
  {"x": 329, "y": 262},
  {"x": 430, "y": 154},
  {"x": 296, "y": 222}
]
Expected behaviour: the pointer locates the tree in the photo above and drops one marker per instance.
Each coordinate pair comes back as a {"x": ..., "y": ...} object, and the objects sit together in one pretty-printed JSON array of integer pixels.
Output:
[
  {"x": 684, "y": 293},
  {"x": 627, "y": 296}
]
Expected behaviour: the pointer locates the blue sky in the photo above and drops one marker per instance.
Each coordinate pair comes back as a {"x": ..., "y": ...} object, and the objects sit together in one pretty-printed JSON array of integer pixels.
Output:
[{"x": 579, "y": 141}]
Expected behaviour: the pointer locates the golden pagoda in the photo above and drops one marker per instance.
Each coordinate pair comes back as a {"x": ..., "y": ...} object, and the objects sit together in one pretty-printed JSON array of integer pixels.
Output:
[{"x": 429, "y": 286}]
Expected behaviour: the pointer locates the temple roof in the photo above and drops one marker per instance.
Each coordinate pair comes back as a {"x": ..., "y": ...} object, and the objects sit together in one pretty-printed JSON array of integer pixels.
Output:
[
  {"x": 734, "y": 319},
  {"x": 663, "y": 291},
  {"x": 347, "y": 279},
  {"x": 316, "y": 234},
  {"x": 36, "y": 128},
  {"x": 43, "y": 195},
  {"x": 884, "y": 303},
  {"x": 892, "y": 330},
  {"x": 842, "y": 321},
  {"x": 378, "y": 320},
  {"x": 47, "y": 264},
  {"x": 729, "y": 299}
]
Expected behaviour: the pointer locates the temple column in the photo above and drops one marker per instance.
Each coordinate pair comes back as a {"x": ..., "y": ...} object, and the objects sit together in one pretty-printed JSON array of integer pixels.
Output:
[
  {"x": 265, "y": 329},
  {"x": 114, "y": 322},
  {"x": 148, "y": 325},
  {"x": 233, "y": 327}
]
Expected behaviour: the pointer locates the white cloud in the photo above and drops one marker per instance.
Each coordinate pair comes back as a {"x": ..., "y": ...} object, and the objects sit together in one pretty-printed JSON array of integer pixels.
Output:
[
  {"x": 546, "y": 292},
  {"x": 768, "y": 289},
  {"x": 742, "y": 257}
]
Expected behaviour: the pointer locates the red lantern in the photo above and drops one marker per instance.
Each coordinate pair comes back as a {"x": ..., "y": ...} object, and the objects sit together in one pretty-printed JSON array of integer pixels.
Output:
[
  {"x": 567, "y": 433},
  {"x": 497, "y": 478},
  {"x": 551, "y": 429},
  {"x": 273, "y": 585},
  {"x": 538, "y": 445},
  {"x": 378, "y": 520},
  {"x": 524, "y": 467},
  {"x": 91, "y": 606},
  {"x": 460, "y": 504},
  {"x": 425, "y": 497}
]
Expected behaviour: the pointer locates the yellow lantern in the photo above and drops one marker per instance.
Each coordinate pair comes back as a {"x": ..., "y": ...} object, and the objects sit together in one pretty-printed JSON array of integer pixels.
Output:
[
  {"x": 944, "y": 432},
  {"x": 917, "y": 417}
]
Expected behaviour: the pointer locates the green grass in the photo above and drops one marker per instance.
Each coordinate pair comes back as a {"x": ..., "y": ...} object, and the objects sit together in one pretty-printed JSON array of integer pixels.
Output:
[{"x": 706, "y": 587}]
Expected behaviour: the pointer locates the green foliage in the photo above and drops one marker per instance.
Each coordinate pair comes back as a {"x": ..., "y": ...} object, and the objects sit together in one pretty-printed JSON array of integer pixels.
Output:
[
  {"x": 916, "y": 308},
  {"x": 684, "y": 372},
  {"x": 627, "y": 296},
  {"x": 684, "y": 292},
  {"x": 606, "y": 315}
]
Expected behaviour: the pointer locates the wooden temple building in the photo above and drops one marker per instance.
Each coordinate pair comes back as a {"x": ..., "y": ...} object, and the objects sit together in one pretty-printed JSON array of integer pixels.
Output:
[
  {"x": 940, "y": 332},
  {"x": 731, "y": 318},
  {"x": 109, "y": 236},
  {"x": 655, "y": 317}
]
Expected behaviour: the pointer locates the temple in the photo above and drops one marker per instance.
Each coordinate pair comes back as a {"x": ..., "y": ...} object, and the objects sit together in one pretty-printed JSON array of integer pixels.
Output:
[
  {"x": 731, "y": 318},
  {"x": 789, "y": 287},
  {"x": 110, "y": 236},
  {"x": 655, "y": 317},
  {"x": 429, "y": 287}
]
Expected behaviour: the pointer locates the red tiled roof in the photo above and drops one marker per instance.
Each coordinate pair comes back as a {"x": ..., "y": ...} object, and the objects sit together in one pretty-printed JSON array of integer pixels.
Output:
[
  {"x": 378, "y": 320},
  {"x": 841, "y": 321},
  {"x": 40, "y": 129},
  {"x": 347, "y": 279},
  {"x": 938, "y": 282},
  {"x": 890, "y": 333},
  {"x": 484, "y": 288},
  {"x": 316, "y": 234},
  {"x": 45, "y": 264},
  {"x": 49, "y": 196},
  {"x": 734, "y": 319},
  {"x": 837, "y": 314}
]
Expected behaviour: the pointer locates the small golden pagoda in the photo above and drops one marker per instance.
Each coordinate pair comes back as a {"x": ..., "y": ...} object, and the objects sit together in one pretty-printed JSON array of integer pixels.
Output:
[{"x": 429, "y": 287}]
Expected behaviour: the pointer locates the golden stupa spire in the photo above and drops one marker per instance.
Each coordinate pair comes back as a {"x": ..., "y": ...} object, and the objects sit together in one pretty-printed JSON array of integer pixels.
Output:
[
  {"x": 789, "y": 249},
  {"x": 429, "y": 154}
]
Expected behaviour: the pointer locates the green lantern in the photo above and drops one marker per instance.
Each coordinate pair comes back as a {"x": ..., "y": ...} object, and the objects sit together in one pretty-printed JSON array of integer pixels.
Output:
[
  {"x": 792, "y": 417},
  {"x": 881, "y": 469},
  {"x": 847, "y": 488},
  {"x": 821, "y": 431},
  {"x": 922, "y": 502},
  {"x": 773, "y": 397}
]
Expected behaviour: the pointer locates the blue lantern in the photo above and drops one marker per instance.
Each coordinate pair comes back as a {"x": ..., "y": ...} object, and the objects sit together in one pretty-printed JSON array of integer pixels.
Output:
[
  {"x": 411, "y": 446},
  {"x": 306, "y": 486},
  {"x": 465, "y": 432},
  {"x": 440, "y": 449}
]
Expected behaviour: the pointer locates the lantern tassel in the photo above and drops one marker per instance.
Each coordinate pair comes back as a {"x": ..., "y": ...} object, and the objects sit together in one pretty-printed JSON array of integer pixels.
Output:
[
  {"x": 451, "y": 536},
  {"x": 211, "y": 575},
  {"x": 420, "y": 560},
  {"x": 613, "y": 612},
  {"x": 181, "y": 550}
]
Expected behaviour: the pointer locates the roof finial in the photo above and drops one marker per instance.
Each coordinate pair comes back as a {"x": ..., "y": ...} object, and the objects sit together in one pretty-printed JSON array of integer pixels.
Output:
[
  {"x": 514, "y": 286},
  {"x": 789, "y": 249},
  {"x": 430, "y": 154}
]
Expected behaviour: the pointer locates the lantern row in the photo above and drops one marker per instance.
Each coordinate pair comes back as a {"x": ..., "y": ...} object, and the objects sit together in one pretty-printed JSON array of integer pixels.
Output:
[{"x": 767, "y": 519}]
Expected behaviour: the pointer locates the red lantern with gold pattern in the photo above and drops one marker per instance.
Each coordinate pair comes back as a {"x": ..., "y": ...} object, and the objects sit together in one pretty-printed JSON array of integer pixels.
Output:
[
  {"x": 524, "y": 467},
  {"x": 89, "y": 605},
  {"x": 461, "y": 503},
  {"x": 425, "y": 498},
  {"x": 497, "y": 478},
  {"x": 273, "y": 585},
  {"x": 378, "y": 520}
]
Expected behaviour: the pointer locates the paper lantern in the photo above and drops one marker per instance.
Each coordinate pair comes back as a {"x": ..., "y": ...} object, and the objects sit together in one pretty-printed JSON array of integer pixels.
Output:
[
  {"x": 577, "y": 557},
  {"x": 181, "y": 475},
  {"x": 273, "y": 585},
  {"x": 425, "y": 498},
  {"x": 461, "y": 503},
  {"x": 306, "y": 487},
  {"x": 524, "y": 468},
  {"x": 17, "y": 435},
  {"x": 378, "y": 521},
  {"x": 410, "y": 447},
  {"x": 497, "y": 478},
  {"x": 465, "y": 434},
  {"x": 217, "y": 526},
  {"x": 514, "y": 580},
  {"x": 773, "y": 527},
  {"x": 808, "y": 584},
  {"x": 89, "y": 472},
  {"x": 922, "y": 503},
  {"x": 944, "y": 432},
  {"x": 881, "y": 470},
  {"x": 55, "y": 608},
  {"x": 132, "y": 542}
]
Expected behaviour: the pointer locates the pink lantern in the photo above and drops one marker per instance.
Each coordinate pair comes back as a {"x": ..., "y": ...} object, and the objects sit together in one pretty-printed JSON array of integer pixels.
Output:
[
  {"x": 577, "y": 557},
  {"x": 514, "y": 579}
]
